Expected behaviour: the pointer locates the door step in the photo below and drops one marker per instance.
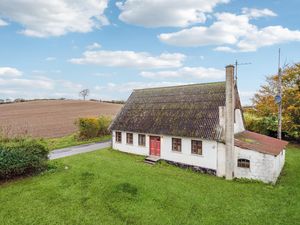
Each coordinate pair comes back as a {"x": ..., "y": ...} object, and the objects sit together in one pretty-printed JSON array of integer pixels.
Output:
[{"x": 152, "y": 159}]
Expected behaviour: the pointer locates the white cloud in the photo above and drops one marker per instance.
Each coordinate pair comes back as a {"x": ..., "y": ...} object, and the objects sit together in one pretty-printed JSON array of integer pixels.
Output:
[
  {"x": 8, "y": 92},
  {"x": 121, "y": 91},
  {"x": 224, "y": 49},
  {"x": 226, "y": 30},
  {"x": 126, "y": 88},
  {"x": 3, "y": 23},
  {"x": 42, "y": 18},
  {"x": 166, "y": 13},
  {"x": 36, "y": 87},
  {"x": 130, "y": 59},
  {"x": 9, "y": 72},
  {"x": 268, "y": 36},
  {"x": 256, "y": 13},
  {"x": 69, "y": 85},
  {"x": 95, "y": 45},
  {"x": 231, "y": 33},
  {"x": 26, "y": 83},
  {"x": 50, "y": 59},
  {"x": 186, "y": 72}
]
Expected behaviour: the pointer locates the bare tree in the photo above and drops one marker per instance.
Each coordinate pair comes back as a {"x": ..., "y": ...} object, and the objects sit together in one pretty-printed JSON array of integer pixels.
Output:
[{"x": 84, "y": 93}]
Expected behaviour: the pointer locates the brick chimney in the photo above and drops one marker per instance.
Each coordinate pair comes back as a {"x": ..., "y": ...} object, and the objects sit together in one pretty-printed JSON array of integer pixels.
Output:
[{"x": 229, "y": 123}]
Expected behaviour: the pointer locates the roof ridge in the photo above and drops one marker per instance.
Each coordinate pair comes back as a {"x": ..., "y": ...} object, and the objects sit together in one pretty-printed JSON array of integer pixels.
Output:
[{"x": 183, "y": 85}]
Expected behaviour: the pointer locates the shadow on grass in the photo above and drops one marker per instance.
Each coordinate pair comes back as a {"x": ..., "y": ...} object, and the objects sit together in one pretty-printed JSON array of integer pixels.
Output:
[{"x": 117, "y": 200}]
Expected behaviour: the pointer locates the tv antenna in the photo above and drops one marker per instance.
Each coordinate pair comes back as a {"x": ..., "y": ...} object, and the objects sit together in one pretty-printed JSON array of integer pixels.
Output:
[{"x": 239, "y": 64}]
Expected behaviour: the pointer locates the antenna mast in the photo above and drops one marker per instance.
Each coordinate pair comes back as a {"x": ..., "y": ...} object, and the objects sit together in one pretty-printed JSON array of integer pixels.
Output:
[
  {"x": 279, "y": 97},
  {"x": 236, "y": 67}
]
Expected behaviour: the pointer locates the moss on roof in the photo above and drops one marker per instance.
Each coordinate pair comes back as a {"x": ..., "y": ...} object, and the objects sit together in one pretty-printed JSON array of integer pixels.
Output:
[{"x": 187, "y": 111}]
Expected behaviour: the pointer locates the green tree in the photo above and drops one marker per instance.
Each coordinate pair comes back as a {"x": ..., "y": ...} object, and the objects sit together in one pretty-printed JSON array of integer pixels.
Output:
[{"x": 265, "y": 108}]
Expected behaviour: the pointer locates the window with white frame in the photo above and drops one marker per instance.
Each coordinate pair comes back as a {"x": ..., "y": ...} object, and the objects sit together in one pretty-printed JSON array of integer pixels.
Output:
[
  {"x": 129, "y": 138},
  {"x": 176, "y": 144},
  {"x": 142, "y": 140},
  {"x": 118, "y": 137},
  {"x": 196, "y": 147}
]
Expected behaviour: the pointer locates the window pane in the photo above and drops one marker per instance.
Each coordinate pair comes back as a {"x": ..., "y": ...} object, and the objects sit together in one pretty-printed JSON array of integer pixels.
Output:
[
  {"x": 118, "y": 137},
  {"x": 197, "y": 147},
  {"x": 176, "y": 144},
  {"x": 142, "y": 140},
  {"x": 129, "y": 138}
]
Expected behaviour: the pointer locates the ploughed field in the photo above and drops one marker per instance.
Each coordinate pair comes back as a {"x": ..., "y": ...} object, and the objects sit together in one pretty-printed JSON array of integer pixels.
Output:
[{"x": 50, "y": 118}]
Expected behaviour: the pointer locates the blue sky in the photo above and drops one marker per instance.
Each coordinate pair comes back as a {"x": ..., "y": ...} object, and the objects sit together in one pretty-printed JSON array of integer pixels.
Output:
[{"x": 55, "y": 49}]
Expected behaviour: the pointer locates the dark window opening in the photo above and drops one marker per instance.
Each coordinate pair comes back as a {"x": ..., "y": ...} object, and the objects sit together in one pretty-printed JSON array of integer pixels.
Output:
[{"x": 244, "y": 163}]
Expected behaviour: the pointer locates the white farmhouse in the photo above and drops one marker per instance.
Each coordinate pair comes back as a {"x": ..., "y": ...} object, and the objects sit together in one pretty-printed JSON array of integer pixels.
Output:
[{"x": 199, "y": 126}]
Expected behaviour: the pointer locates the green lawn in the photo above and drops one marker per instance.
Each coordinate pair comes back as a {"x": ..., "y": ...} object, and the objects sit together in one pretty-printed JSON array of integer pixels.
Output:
[
  {"x": 109, "y": 187},
  {"x": 71, "y": 140}
]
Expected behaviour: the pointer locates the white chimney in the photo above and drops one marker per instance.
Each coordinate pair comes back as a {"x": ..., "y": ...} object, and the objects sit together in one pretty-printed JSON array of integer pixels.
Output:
[{"x": 229, "y": 123}]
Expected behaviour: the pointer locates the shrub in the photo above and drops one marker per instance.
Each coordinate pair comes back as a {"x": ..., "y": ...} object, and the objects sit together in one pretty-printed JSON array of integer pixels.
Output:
[
  {"x": 263, "y": 125},
  {"x": 104, "y": 122},
  {"x": 88, "y": 127},
  {"x": 21, "y": 157},
  {"x": 93, "y": 127}
]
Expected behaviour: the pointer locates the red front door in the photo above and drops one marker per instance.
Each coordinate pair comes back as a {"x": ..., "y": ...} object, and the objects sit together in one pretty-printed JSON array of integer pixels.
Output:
[{"x": 155, "y": 145}]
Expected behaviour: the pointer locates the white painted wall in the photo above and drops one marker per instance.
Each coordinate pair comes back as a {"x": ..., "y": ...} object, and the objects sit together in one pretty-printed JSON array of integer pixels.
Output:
[
  {"x": 279, "y": 163},
  {"x": 208, "y": 159},
  {"x": 130, "y": 148},
  {"x": 264, "y": 167},
  {"x": 239, "y": 123}
]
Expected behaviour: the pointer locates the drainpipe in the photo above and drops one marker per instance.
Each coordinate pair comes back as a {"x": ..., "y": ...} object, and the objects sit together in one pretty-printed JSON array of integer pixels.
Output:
[{"x": 229, "y": 123}]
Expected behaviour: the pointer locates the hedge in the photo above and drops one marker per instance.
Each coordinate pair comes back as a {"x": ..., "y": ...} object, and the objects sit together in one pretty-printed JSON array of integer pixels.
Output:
[
  {"x": 21, "y": 157},
  {"x": 93, "y": 127}
]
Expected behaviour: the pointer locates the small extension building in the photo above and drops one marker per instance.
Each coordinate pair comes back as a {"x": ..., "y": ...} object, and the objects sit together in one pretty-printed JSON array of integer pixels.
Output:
[{"x": 199, "y": 126}]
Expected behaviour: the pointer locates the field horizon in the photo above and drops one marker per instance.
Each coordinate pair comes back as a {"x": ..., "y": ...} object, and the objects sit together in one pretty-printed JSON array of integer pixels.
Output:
[{"x": 50, "y": 118}]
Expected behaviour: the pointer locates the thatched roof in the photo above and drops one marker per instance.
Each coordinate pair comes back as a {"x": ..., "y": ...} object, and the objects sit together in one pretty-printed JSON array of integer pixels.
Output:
[{"x": 184, "y": 111}]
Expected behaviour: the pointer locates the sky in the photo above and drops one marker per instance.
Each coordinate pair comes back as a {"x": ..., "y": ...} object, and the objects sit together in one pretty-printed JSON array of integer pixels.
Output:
[{"x": 54, "y": 49}]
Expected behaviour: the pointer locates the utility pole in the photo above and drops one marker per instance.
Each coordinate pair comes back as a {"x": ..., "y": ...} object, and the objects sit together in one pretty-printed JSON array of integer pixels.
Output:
[
  {"x": 279, "y": 97},
  {"x": 236, "y": 68}
]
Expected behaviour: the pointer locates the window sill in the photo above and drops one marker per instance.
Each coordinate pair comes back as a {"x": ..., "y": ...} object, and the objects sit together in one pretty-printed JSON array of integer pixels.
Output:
[
  {"x": 179, "y": 152},
  {"x": 197, "y": 155}
]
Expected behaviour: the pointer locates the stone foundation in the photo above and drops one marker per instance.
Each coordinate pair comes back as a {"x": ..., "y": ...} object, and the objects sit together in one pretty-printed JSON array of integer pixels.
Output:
[{"x": 194, "y": 168}]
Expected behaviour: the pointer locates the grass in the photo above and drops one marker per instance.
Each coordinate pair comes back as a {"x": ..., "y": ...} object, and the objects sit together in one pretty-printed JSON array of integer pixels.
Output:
[
  {"x": 109, "y": 187},
  {"x": 71, "y": 140}
]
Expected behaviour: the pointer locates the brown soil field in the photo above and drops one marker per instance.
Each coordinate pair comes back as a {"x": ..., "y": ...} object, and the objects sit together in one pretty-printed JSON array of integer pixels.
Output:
[{"x": 49, "y": 118}]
